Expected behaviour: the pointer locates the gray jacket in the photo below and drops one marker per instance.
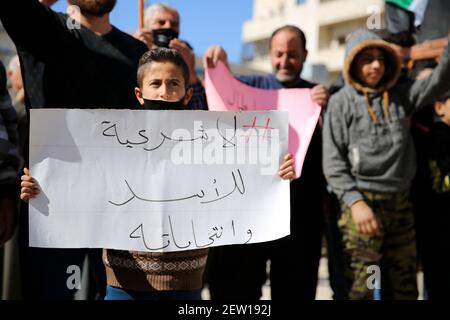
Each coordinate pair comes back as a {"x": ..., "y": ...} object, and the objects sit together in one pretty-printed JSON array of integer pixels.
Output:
[{"x": 366, "y": 139}]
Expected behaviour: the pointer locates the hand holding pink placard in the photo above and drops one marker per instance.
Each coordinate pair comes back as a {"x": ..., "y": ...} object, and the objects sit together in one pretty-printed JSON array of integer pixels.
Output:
[{"x": 225, "y": 93}]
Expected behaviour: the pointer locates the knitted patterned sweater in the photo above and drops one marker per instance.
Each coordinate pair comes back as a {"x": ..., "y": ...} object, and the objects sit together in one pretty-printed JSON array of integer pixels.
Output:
[{"x": 155, "y": 271}]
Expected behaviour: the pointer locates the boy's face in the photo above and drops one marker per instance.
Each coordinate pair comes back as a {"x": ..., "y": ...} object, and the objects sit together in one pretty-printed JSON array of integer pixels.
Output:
[
  {"x": 442, "y": 109},
  {"x": 163, "y": 81},
  {"x": 369, "y": 66}
]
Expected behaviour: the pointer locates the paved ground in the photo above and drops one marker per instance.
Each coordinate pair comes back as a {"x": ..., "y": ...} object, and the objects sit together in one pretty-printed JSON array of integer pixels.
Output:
[{"x": 323, "y": 287}]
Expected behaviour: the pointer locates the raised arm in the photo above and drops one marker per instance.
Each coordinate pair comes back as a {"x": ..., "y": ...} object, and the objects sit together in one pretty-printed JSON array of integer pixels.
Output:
[
  {"x": 32, "y": 26},
  {"x": 420, "y": 93}
]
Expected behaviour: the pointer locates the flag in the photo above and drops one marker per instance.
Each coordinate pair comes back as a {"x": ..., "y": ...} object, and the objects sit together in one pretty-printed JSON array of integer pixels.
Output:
[{"x": 404, "y": 15}]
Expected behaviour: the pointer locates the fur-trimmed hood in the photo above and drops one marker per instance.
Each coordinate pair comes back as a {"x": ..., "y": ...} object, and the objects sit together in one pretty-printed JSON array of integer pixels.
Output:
[{"x": 363, "y": 39}]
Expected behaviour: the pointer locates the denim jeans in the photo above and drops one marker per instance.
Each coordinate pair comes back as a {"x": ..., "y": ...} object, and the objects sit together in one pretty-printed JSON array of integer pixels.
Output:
[{"x": 113, "y": 293}]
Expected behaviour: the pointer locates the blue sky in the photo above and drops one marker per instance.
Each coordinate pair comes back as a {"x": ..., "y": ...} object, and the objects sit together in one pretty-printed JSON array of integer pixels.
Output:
[{"x": 203, "y": 22}]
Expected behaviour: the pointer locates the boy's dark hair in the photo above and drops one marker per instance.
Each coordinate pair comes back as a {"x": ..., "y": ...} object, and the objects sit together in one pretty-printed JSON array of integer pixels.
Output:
[
  {"x": 162, "y": 55},
  {"x": 443, "y": 98},
  {"x": 300, "y": 34}
]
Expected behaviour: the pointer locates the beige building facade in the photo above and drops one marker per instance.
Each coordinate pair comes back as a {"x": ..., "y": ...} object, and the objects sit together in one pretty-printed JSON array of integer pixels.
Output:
[{"x": 326, "y": 24}]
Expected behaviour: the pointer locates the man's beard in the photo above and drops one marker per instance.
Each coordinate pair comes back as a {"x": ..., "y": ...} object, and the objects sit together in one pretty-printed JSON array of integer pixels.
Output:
[
  {"x": 94, "y": 7},
  {"x": 287, "y": 78}
]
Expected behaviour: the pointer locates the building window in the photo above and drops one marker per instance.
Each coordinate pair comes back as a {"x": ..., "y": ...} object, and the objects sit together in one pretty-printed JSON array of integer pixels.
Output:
[
  {"x": 248, "y": 52},
  {"x": 341, "y": 40}
]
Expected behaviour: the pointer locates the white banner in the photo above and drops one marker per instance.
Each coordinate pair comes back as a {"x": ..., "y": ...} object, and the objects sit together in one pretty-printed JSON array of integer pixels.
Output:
[{"x": 157, "y": 180}]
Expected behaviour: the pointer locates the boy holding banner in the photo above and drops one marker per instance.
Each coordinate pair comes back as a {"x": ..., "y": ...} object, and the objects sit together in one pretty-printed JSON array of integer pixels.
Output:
[{"x": 163, "y": 85}]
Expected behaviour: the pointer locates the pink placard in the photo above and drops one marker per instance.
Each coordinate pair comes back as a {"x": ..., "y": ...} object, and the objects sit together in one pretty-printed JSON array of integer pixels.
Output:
[{"x": 225, "y": 93}]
